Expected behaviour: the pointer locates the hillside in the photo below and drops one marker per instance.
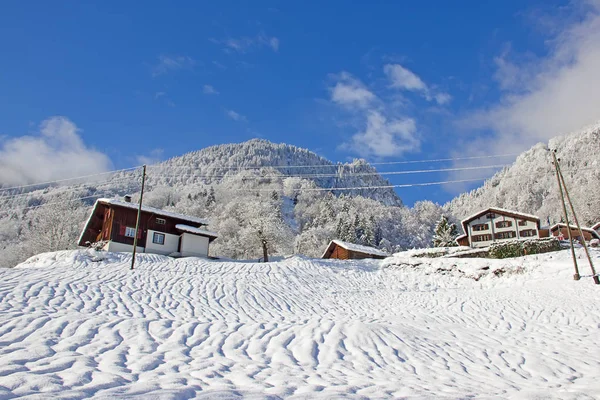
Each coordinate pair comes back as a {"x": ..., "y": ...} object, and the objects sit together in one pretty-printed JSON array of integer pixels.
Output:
[
  {"x": 529, "y": 185},
  {"x": 214, "y": 164},
  {"x": 78, "y": 324},
  {"x": 300, "y": 197}
]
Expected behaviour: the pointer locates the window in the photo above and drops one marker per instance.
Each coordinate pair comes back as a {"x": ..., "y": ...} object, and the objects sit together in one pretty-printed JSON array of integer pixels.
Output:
[
  {"x": 505, "y": 235},
  {"x": 527, "y": 233},
  {"x": 522, "y": 223},
  {"x": 129, "y": 232},
  {"x": 481, "y": 227},
  {"x": 158, "y": 238},
  {"x": 503, "y": 224},
  {"x": 481, "y": 238},
  {"x": 161, "y": 221},
  {"x": 491, "y": 216}
]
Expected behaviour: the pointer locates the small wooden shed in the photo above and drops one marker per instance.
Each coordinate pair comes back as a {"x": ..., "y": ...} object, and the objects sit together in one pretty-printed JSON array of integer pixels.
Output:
[{"x": 350, "y": 251}]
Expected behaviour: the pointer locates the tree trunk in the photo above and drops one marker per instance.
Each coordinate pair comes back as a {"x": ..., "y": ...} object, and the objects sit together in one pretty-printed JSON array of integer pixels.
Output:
[{"x": 265, "y": 253}]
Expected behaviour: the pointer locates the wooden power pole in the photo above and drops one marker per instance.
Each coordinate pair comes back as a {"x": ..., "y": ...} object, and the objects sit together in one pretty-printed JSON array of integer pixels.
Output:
[
  {"x": 139, "y": 215},
  {"x": 576, "y": 276},
  {"x": 587, "y": 251}
]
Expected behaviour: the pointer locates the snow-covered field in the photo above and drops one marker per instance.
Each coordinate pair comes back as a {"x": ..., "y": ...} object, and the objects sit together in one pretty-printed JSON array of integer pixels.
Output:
[{"x": 74, "y": 326}]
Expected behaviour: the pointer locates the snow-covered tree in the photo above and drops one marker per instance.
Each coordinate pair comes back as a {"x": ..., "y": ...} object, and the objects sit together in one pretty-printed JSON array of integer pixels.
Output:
[
  {"x": 54, "y": 226},
  {"x": 445, "y": 233}
]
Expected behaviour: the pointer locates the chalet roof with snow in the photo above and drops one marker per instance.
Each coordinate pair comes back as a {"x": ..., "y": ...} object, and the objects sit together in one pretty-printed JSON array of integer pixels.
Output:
[
  {"x": 591, "y": 231},
  {"x": 125, "y": 215},
  {"x": 501, "y": 211},
  {"x": 596, "y": 226},
  {"x": 152, "y": 210},
  {"x": 357, "y": 248}
]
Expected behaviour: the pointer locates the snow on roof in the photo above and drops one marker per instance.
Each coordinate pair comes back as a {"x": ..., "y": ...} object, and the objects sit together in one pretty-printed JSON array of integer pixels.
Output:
[
  {"x": 596, "y": 227},
  {"x": 574, "y": 228},
  {"x": 500, "y": 211},
  {"x": 157, "y": 211},
  {"x": 357, "y": 247},
  {"x": 195, "y": 231}
]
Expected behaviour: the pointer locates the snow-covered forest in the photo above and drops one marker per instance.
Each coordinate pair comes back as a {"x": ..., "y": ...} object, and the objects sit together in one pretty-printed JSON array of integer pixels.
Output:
[
  {"x": 232, "y": 186},
  {"x": 530, "y": 185},
  {"x": 260, "y": 191}
]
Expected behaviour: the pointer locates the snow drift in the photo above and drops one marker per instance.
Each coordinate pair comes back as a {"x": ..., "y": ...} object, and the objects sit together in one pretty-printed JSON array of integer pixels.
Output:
[{"x": 79, "y": 324}]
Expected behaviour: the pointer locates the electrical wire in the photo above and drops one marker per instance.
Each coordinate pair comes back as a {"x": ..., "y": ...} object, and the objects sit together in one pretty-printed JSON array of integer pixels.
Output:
[
  {"x": 340, "y": 175},
  {"x": 344, "y": 165},
  {"x": 70, "y": 188},
  {"x": 69, "y": 179}
]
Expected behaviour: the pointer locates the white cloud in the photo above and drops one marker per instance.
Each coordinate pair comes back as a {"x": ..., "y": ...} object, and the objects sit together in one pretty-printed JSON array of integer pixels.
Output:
[
  {"x": 379, "y": 135},
  {"x": 154, "y": 157},
  {"x": 350, "y": 92},
  {"x": 274, "y": 43},
  {"x": 404, "y": 79},
  {"x": 57, "y": 152},
  {"x": 208, "y": 89},
  {"x": 549, "y": 96},
  {"x": 246, "y": 43},
  {"x": 383, "y": 138},
  {"x": 168, "y": 64},
  {"x": 236, "y": 116}
]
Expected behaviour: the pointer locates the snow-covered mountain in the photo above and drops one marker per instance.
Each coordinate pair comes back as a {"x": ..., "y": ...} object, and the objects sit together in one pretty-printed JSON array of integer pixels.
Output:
[
  {"x": 216, "y": 163},
  {"x": 530, "y": 185},
  {"x": 301, "y": 197}
]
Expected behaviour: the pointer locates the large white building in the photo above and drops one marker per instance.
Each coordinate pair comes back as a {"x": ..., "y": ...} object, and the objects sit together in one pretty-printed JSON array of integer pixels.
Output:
[{"x": 497, "y": 224}]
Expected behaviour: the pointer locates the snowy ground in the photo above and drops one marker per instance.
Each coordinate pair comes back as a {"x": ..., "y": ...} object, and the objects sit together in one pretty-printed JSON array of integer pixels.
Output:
[{"x": 72, "y": 327}]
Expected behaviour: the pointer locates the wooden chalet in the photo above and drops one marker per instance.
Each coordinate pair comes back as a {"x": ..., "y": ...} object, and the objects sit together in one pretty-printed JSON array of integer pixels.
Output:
[
  {"x": 497, "y": 224},
  {"x": 560, "y": 230},
  {"x": 160, "y": 232},
  {"x": 350, "y": 251}
]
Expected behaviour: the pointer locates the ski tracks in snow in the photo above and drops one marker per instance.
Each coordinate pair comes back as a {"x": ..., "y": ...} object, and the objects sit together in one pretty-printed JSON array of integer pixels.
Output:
[{"x": 71, "y": 327}]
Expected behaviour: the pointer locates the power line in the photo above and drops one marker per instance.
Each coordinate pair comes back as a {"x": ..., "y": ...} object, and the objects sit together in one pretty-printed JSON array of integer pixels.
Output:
[
  {"x": 70, "y": 188},
  {"x": 68, "y": 179},
  {"x": 339, "y": 165},
  {"x": 445, "y": 159},
  {"x": 340, "y": 175}
]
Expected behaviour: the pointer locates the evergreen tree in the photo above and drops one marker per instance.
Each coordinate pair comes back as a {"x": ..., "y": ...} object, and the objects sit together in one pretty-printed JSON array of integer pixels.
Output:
[
  {"x": 210, "y": 199},
  {"x": 444, "y": 234}
]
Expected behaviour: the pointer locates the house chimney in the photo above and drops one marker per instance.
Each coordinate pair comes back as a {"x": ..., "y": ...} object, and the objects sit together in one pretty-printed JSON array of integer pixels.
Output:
[{"x": 127, "y": 198}]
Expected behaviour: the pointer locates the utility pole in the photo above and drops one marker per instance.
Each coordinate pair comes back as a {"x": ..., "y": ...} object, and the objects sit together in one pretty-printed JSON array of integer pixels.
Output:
[
  {"x": 139, "y": 214},
  {"x": 587, "y": 252},
  {"x": 576, "y": 276}
]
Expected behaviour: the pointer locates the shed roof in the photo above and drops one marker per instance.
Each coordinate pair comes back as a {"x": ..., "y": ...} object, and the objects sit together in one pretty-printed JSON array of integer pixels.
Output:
[
  {"x": 574, "y": 228},
  {"x": 356, "y": 247}
]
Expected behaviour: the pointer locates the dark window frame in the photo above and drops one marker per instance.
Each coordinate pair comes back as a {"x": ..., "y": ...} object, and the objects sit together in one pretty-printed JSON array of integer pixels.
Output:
[
  {"x": 504, "y": 224},
  {"x": 156, "y": 235},
  {"x": 481, "y": 227}
]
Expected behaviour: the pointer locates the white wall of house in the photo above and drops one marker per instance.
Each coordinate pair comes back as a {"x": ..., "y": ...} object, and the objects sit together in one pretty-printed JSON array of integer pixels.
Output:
[
  {"x": 513, "y": 232},
  {"x": 170, "y": 245},
  {"x": 121, "y": 247},
  {"x": 193, "y": 245}
]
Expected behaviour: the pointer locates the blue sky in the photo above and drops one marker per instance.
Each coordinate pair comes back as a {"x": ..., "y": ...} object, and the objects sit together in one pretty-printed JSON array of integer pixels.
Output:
[{"x": 388, "y": 81}]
